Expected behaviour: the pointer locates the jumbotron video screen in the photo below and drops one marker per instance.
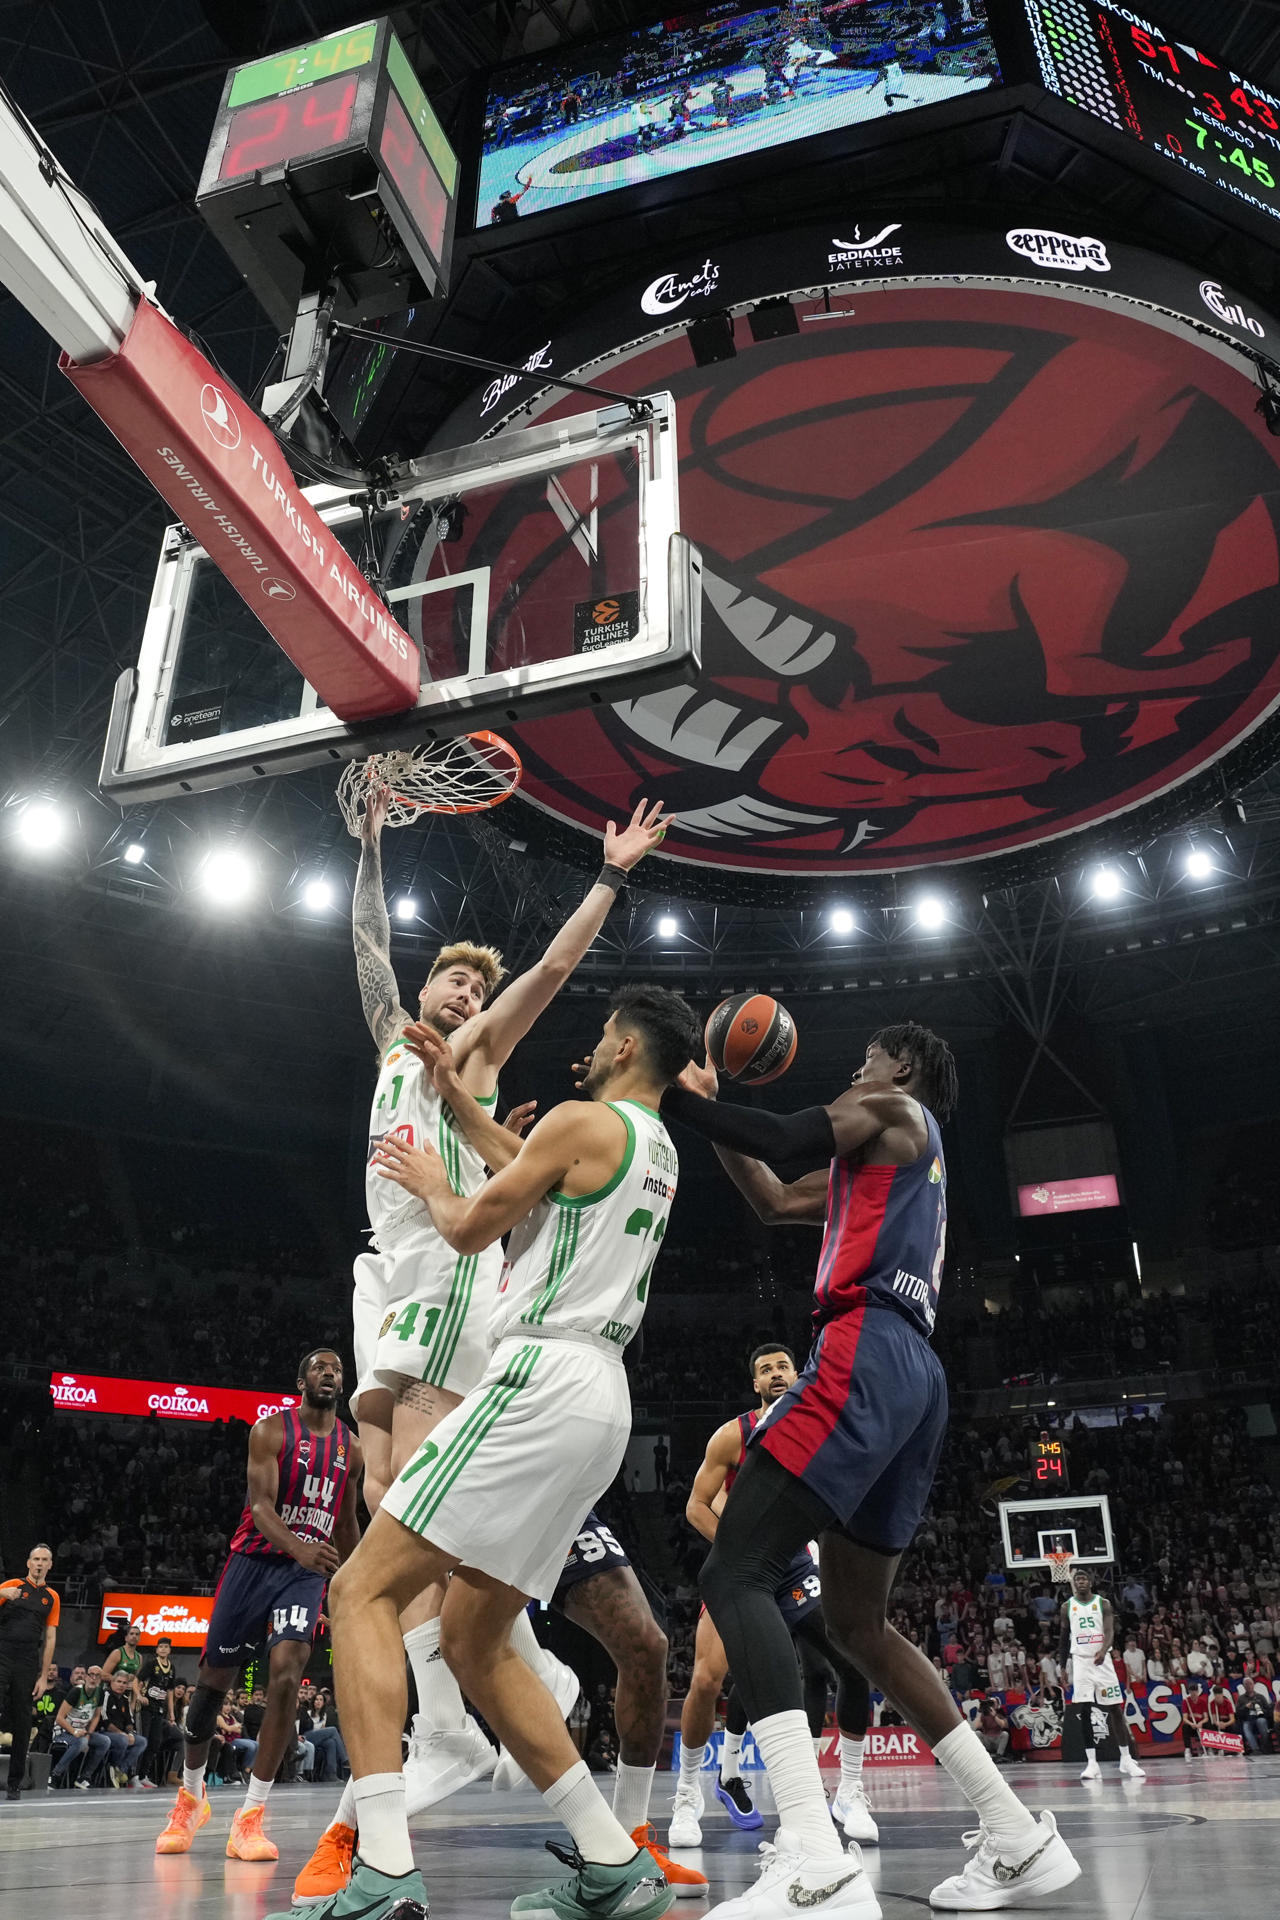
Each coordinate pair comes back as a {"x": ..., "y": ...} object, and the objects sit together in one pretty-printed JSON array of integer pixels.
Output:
[{"x": 713, "y": 85}]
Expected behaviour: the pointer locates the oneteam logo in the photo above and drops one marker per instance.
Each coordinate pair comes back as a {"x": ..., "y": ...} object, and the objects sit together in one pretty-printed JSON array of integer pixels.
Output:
[
  {"x": 1230, "y": 310},
  {"x": 1050, "y": 249},
  {"x": 219, "y": 416}
]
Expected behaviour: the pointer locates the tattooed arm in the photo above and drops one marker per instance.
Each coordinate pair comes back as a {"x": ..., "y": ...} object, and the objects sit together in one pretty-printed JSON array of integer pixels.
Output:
[{"x": 371, "y": 931}]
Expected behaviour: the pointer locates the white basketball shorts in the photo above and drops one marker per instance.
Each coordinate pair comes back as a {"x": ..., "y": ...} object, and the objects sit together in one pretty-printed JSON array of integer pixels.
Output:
[
  {"x": 1095, "y": 1684},
  {"x": 421, "y": 1312},
  {"x": 504, "y": 1480}
]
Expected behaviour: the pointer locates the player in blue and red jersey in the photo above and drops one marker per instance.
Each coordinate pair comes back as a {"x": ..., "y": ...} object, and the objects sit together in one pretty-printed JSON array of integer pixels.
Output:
[
  {"x": 298, "y": 1525},
  {"x": 848, "y": 1456}
]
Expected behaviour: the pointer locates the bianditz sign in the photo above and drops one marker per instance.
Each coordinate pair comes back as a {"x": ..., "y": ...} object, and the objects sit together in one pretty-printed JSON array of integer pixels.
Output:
[
  {"x": 182, "y": 1618},
  {"x": 165, "y": 1399},
  {"x": 885, "y": 1747}
]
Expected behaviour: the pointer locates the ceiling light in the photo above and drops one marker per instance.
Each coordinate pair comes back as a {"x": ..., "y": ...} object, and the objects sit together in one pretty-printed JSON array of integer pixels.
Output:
[
  {"x": 931, "y": 913},
  {"x": 1199, "y": 864},
  {"x": 227, "y": 876},
  {"x": 317, "y": 895},
  {"x": 668, "y": 927},
  {"x": 41, "y": 826},
  {"x": 1106, "y": 884},
  {"x": 135, "y": 853},
  {"x": 406, "y": 907},
  {"x": 841, "y": 920}
]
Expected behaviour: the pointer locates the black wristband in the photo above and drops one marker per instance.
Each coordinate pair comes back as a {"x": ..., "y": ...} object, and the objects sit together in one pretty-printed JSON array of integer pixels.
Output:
[{"x": 612, "y": 877}]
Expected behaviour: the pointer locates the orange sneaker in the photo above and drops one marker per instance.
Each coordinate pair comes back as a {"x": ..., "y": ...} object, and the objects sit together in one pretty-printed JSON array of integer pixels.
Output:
[
  {"x": 185, "y": 1822},
  {"x": 329, "y": 1868},
  {"x": 246, "y": 1840},
  {"x": 685, "y": 1882}
]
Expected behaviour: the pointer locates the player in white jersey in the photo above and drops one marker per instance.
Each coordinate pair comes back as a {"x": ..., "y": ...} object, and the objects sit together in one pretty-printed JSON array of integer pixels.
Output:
[
  {"x": 1088, "y": 1634},
  {"x": 421, "y": 1311},
  {"x": 491, "y": 1502}
]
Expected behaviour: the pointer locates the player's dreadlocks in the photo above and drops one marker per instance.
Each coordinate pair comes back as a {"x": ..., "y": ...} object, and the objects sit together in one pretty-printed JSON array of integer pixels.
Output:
[{"x": 931, "y": 1061}]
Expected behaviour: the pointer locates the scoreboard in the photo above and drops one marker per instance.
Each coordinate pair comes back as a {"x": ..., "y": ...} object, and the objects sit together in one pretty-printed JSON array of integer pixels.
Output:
[{"x": 1117, "y": 64}]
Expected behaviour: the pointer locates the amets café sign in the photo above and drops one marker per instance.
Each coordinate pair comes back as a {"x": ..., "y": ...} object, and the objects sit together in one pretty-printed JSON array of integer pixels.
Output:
[{"x": 166, "y": 1399}]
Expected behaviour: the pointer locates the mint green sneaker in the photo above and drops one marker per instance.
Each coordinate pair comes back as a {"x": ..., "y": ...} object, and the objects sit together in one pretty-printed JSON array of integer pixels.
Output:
[
  {"x": 368, "y": 1895},
  {"x": 634, "y": 1891}
]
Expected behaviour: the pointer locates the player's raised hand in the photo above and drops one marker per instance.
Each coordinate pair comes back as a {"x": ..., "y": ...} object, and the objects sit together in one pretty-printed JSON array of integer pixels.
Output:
[
  {"x": 581, "y": 1068},
  {"x": 521, "y": 1117},
  {"x": 704, "y": 1080},
  {"x": 419, "y": 1170},
  {"x": 377, "y": 802},
  {"x": 641, "y": 835},
  {"x": 433, "y": 1050}
]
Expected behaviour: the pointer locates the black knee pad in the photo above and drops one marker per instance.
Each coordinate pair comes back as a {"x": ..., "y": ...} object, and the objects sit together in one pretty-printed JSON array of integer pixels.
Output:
[{"x": 202, "y": 1714}]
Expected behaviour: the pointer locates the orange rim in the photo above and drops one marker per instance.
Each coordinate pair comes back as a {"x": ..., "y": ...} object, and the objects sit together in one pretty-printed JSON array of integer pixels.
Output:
[{"x": 484, "y": 738}]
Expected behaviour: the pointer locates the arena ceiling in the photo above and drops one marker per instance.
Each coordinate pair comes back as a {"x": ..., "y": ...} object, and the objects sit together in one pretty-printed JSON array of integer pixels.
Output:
[{"x": 126, "y": 98}]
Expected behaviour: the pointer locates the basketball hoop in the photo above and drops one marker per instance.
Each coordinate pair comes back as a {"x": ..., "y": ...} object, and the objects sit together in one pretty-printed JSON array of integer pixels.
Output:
[
  {"x": 468, "y": 774},
  {"x": 1059, "y": 1568}
]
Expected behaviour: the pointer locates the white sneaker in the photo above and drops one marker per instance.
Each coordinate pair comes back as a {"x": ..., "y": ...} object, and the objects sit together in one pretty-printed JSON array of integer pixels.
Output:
[
  {"x": 852, "y": 1810},
  {"x": 561, "y": 1681},
  {"x": 792, "y": 1882},
  {"x": 1130, "y": 1768},
  {"x": 1093, "y": 1771},
  {"x": 990, "y": 1880},
  {"x": 685, "y": 1829},
  {"x": 438, "y": 1764}
]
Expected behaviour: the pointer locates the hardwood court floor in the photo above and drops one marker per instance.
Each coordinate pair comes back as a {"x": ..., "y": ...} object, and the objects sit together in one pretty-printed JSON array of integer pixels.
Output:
[{"x": 1190, "y": 1839}]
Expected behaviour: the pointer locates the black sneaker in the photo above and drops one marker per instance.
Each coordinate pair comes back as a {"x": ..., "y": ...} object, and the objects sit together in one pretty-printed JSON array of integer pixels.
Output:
[{"x": 735, "y": 1797}]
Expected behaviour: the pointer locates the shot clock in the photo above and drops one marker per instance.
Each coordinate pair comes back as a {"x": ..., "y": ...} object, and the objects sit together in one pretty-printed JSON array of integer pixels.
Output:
[
  {"x": 1115, "y": 63},
  {"x": 1049, "y": 1464},
  {"x": 327, "y": 164}
]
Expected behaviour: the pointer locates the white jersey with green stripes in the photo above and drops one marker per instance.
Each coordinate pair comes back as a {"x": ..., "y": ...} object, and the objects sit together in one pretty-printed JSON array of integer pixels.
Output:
[
  {"x": 406, "y": 1103},
  {"x": 1086, "y": 1626},
  {"x": 584, "y": 1264}
]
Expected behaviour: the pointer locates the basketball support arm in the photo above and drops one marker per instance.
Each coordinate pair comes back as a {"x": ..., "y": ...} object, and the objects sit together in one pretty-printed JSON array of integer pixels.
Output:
[{"x": 204, "y": 449}]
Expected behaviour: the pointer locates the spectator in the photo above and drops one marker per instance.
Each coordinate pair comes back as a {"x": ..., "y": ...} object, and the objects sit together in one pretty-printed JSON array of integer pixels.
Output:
[
  {"x": 992, "y": 1728},
  {"x": 1195, "y": 1715},
  {"x": 77, "y": 1733},
  {"x": 44, "y": 1711},
  {"x": 326, "y": 1738},
  {"x": 126, "y": 1659},
  {"x": 661, "y": 1461},
  {"x": 120, "y": 1725},
  {"x": 1135, "y": 1662},
  {"x": 1253, "y": 1719},
  {"x": 1199, "y": 1664},
  {"x": 156, "y": 1681}
]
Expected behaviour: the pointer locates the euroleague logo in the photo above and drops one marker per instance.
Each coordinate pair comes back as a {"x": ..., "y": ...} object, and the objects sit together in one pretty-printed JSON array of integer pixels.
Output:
[
  {"x": 981, "y": 569},
  {"x": 605, "y": 611}
]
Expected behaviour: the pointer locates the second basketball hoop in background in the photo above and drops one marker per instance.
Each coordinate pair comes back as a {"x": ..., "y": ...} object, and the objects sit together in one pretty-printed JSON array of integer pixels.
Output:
[
  {"x": 470, "y": 774},
  {"x": 752, "y": 1038}
]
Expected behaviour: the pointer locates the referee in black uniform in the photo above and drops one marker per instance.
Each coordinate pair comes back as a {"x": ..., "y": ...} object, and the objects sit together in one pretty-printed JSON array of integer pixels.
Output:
[{"x": 28, "y": 1628}]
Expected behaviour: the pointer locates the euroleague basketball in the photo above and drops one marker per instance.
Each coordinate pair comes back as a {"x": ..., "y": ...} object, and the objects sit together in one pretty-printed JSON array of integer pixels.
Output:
[{"x": 752, "y": 1038}]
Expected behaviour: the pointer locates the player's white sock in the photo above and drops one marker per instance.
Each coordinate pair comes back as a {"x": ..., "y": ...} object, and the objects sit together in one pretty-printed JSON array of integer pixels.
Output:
[
  {"x": 850, "y": 1760},
  {"x": 577, "y": 1800},
  {"x": 731, "y": 1757},
  {"x": 819, "y": 1741},
  {"x": 691, "y": 1759},
  {"x": 983, "y": 1786},
  {"x": 193, "y": 1780},
  {"x": 526, "y": 1643},
  {"x": 439, "y": 1696},
  {"x": 632, "y": 1788},
  {"x": 256, "y": 1795},
  {"x": 787, "y": 1748},
  {"x": 346, "y": 1814},
  {"x": 384, "y": 1830}
]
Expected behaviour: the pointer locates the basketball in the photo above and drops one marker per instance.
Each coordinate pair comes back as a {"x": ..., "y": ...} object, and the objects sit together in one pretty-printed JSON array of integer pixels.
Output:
[{"x": 752, "y": 1038}]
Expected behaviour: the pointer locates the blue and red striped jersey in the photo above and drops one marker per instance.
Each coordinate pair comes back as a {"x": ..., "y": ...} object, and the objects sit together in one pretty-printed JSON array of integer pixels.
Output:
[
  {"x": 885, "y": 1237},
  {"x": 313, "y": 1478},
  {"x": 747, "y": 1423}
]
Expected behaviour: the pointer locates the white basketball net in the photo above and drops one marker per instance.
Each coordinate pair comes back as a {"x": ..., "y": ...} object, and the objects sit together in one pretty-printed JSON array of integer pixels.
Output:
[
  {"x": 1059, "y": 1568},
  {"x": 468, "y": 774}
]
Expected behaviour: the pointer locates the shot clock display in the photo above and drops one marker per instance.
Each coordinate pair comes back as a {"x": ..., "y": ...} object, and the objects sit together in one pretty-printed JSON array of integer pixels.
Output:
[
  {"x": 1117, "y": 64},
  {"x": 327, "y": 163},
  {"x": 1049, "y": 1463}
]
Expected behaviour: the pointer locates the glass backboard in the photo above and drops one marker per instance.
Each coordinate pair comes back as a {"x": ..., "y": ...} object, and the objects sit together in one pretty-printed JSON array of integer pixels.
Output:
[
  {"x": 1033, "y": 1529},
  {"x": 538, "y": 571}
]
